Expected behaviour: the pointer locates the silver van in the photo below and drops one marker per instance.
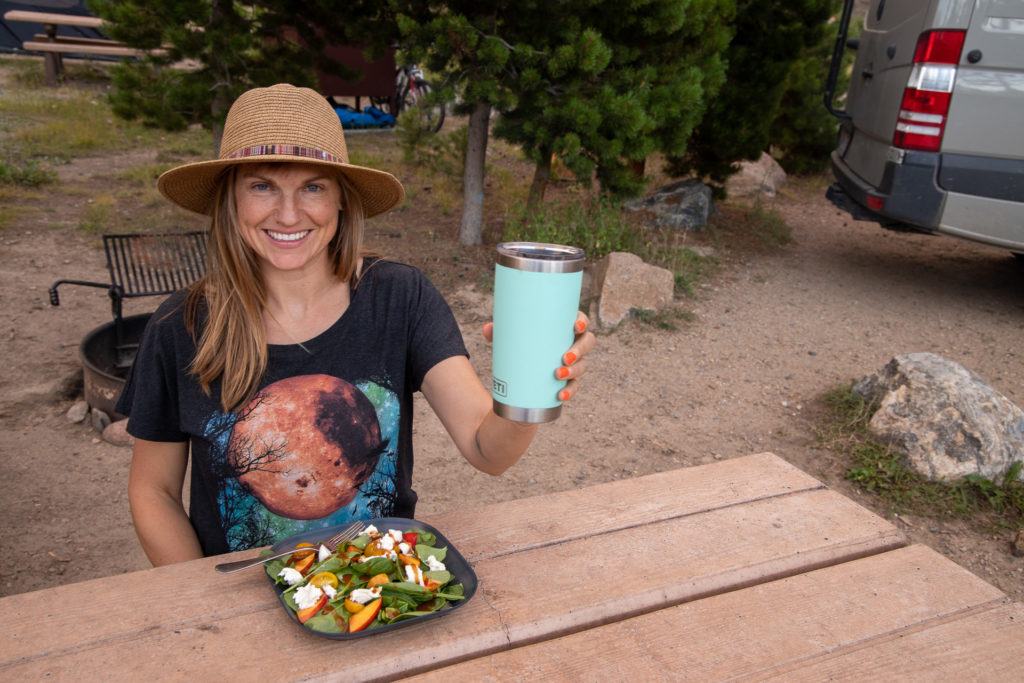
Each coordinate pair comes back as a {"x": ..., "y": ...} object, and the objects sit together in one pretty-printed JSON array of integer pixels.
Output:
[{"x": 932, "y": 133}]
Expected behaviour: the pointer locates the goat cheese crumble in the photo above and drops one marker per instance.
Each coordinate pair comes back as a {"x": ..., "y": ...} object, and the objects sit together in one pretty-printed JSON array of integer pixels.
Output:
[
  {"x": 364, "y": 595},
  {"x": 307, "y": 596},
  {"x": 435, "y": 564},
  {"x": 290, "y": 576}
]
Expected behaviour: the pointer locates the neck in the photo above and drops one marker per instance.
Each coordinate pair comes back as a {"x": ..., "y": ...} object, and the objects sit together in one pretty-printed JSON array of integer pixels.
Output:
[{"x": 299, "y": 291}]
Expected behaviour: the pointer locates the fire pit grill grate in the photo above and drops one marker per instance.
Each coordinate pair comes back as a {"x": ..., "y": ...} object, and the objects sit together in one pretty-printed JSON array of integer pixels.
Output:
[{"x": 144, "y": 265}]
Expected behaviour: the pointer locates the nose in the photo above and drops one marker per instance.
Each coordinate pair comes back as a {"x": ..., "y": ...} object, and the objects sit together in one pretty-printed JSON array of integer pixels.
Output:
[{"x": 287, "y": 212}]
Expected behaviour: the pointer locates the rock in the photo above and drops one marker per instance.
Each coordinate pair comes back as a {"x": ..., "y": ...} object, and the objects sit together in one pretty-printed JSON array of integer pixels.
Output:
[
  {"x": 100, "y": 420},
  {"x": 947, "y": 421},
  {"x": 77, "y": 412},
  {"x": 1018, "y": 544},
  {"x": 625, "y": 282},
  {"x": 683, "y": 205},
  {"x": 117, "y": 433},
  {"x": 762, "y": 177}
]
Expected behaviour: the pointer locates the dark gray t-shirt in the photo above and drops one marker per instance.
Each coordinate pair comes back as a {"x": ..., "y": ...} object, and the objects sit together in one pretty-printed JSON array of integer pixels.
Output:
[{"x": 328, "y": 436}]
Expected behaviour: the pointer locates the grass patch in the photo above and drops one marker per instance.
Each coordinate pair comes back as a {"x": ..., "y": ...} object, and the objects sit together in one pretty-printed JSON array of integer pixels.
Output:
[
  {"x": 665, "y": 319},
  {"x": 98, "y": 215},
  {"x": 758, "y": 224},
  {"x": 880, "y": 469},
  {"x": 597, "y": 227},
  {"x": 145, "y": 175},
  {"x": 28, "y": 174}
]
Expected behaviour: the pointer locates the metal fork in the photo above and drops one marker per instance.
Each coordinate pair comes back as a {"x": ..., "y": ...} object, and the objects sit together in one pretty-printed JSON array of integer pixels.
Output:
[{"x": 343, "y": 536}]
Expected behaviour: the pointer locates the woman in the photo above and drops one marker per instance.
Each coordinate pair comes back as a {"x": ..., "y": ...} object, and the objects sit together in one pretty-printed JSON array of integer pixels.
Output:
[{"x": 288, "y": 370}]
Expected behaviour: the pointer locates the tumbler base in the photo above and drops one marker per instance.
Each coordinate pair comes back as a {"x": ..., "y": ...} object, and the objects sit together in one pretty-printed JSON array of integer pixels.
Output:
[{"x": 529, "y": 415}]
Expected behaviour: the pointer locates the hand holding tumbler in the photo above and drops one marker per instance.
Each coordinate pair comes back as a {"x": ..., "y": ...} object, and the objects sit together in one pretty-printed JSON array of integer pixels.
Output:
[{"x": 536, "y": 298}]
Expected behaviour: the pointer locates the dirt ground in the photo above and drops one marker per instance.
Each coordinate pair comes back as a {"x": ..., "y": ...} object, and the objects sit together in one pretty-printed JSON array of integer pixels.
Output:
[{"x": 774, "y": 329}]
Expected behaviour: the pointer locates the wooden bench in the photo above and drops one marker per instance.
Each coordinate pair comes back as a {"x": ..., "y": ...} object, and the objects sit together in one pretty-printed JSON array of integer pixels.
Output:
[
  {"x": 742, "y": 569},
  {"x": 54, "y": 46}
]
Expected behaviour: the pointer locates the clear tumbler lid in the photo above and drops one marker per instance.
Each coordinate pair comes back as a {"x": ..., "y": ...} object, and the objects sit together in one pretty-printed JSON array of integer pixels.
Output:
[{"x": 540, "y": 257}]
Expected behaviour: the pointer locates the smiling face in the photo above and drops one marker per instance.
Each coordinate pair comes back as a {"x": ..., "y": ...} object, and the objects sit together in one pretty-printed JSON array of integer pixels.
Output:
[{"x": 287, "y": 213}]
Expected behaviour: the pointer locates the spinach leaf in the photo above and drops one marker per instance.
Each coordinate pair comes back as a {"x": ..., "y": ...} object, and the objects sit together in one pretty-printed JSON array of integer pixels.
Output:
[
  {"x": 424, "y": 551},
  {"x": 413, "y": 590},
  {"x": 289, "y": 599},
  {"x": 331, "y": 564},
  {"x": 442, "y": 577},
  {"x": 324, "y": 623},
  {"x": 274, "y": 568},
  {"x": 425, "y": 537},
  {"x": 359, "y": 541},
  {"x": 378, "y": 565}
]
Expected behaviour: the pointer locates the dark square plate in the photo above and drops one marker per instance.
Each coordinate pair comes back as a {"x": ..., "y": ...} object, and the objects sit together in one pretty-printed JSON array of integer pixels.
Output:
[{"x": 454, "y": 563}]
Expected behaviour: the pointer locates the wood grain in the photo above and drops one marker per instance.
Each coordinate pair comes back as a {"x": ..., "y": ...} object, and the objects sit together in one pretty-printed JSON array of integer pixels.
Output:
[
  {"x": 748, "y": 632},
  {"x": 987, "y": 646},
  {"x": 191, "y": 593},
  {"x": 551, "y": 589}
]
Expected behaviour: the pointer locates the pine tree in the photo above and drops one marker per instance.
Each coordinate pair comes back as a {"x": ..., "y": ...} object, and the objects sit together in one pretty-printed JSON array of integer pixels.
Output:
[
  {"x": 770, "y": 35},
  {"x": 613, "y": 82},
  {"x": 226, "y": 48},
  {"x": 464, "y": 42}
]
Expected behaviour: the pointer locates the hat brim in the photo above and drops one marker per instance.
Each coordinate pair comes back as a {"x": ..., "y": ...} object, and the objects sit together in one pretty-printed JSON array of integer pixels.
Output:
[{"x": 194, "y": 185}]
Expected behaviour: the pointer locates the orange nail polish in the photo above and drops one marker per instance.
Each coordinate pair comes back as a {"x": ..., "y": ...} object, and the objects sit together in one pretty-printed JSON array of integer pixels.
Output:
[
  {"x": 563, "y": 395},
  {"x": 562, "y": 373},
  {"x": 569, "y": 358},
  {"x": 581, "y": 326}
]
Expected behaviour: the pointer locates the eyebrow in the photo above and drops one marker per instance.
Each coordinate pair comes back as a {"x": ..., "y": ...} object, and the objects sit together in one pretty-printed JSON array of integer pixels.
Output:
[{"x": 257, "y": 176}]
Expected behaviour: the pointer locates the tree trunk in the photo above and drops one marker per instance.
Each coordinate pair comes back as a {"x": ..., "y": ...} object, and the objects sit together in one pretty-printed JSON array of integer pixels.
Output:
[
  {"x": 470, "y": 232},
  {"x": 221, "y": 19},
  {"x": 541, "y": 175}
]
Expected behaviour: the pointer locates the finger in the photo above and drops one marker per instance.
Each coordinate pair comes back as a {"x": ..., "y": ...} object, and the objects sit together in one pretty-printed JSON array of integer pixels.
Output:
[
  {"x": 569, "y": 391},
  {"x": 488, "y": 331},
  {"x": 584, "y": 344},
  {"x": 575, "y": 371},
  {"x": 581, "y": 324}
]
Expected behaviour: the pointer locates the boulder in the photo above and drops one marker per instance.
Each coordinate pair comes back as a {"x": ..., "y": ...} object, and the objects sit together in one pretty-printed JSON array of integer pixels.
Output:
[
  {"x": 77, "y": 412},
  {"x": 947, "y": 421},
  {"x": 117, "y": 433},
  {"x": 683, "y": 205},
  {"x": 762, "y": 177},
  {"x": 624, "y": 282}
]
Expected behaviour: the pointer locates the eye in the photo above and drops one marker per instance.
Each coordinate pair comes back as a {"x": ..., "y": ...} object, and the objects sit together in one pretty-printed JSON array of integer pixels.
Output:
[
  {"x": 315, "y": 187},
  {"x": 259, "y": 187}
]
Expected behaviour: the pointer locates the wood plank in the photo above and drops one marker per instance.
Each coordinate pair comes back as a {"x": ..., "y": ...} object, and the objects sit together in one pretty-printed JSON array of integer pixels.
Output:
[
  {"x": 743, "y": 633},
  {"x": 107, "y": 50},
  {"x": 531, "y": 595},
  {"x": 53, "y": 18},
  {"x": 76, "y": 40},
  {"x": 518, "y": 525},
  {"x": 36, "y": 628},
  {"x": 987, "y": 646}
]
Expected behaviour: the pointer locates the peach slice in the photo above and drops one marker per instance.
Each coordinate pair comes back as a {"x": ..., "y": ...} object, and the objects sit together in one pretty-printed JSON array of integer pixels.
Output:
[
  {"x": 305, "y": 615},
  {"x": 364, "y": 617},
  {"x": 378, "y": 580}
]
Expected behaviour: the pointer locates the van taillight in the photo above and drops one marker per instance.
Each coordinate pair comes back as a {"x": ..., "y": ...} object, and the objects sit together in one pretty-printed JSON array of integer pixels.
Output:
[{"x": 922, "y": 117}]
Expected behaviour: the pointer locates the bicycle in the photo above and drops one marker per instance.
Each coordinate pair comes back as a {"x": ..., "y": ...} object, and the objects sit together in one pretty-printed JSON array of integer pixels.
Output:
[{"x": 413, "y": 90}]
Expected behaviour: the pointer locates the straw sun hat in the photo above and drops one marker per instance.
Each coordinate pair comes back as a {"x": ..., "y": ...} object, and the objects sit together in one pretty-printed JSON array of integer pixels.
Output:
[{"x": 279, "y": 123}]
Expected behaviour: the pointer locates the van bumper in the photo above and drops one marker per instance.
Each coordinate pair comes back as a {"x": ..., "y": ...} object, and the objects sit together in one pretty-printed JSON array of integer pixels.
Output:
[{"x": 909, "y": 192}]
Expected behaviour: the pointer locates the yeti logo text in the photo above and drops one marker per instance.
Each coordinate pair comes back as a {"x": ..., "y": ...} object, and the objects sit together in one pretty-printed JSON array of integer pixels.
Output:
[{"x": 500, "y": 388}]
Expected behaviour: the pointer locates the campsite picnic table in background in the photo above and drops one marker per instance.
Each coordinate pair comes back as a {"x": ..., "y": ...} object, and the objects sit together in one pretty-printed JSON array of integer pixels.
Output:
[{"x": 742, "y": 568}]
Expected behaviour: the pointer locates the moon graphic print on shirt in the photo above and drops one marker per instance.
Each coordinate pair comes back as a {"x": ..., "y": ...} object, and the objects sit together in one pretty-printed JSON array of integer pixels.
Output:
[{"x": 306, "y": 452}]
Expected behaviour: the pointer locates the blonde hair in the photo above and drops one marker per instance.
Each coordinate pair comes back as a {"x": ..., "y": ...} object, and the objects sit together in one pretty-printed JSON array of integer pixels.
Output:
[{"x": 232, "y": 345}]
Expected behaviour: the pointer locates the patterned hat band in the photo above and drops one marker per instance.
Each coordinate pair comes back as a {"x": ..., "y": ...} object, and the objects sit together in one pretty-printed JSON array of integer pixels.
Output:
[{"x": 288, "y": 150}]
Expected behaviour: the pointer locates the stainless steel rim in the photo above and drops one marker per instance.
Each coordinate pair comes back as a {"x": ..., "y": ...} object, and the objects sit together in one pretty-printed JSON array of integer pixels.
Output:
[
  {"x": 530, "y": 415},
  {"x": 559, "y": 258}
]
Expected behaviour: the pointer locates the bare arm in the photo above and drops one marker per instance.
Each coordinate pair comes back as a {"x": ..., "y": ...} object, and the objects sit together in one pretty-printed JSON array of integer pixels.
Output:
[
  {"x": 154, "y": 493},
  {"x": 491, "y": 443}
]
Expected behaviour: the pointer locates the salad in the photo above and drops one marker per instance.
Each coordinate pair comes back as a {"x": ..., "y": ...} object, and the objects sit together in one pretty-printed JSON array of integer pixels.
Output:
[{"x": 376, "y": 579}]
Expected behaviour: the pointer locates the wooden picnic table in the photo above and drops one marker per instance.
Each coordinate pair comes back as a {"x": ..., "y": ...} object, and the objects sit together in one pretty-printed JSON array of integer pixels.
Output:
[{"x": 747, "y": 568}]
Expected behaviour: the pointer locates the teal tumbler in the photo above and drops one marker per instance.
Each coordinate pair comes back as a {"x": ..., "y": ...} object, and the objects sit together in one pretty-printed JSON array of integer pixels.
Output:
[{"x": 536, "y": 297}]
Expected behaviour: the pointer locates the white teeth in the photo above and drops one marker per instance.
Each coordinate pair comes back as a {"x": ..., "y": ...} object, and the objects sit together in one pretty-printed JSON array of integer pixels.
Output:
[{"x": 287, "y": 236}]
